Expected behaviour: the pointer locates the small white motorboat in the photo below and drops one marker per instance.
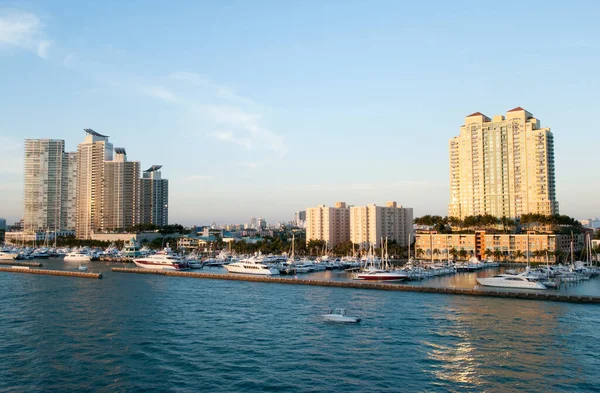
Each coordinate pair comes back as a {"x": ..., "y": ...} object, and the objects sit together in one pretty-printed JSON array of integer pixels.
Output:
[
  {"x": 339, "y": 315},
  {"x": 82, "y": 268}
]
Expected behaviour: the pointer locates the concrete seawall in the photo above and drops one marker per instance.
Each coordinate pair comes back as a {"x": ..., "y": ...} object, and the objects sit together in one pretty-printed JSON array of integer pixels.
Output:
[
  {"x": 19, "y": 263},
  {"x": 373, "y": 286},
  {"x": 50, "y": 272}
]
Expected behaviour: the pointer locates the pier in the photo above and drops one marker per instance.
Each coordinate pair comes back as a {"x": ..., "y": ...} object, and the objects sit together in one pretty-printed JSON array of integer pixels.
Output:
[
  {"x": 25, "y": 269},
  {"x": 18, "y": 263},
  {"x": 373, "y": 286}
]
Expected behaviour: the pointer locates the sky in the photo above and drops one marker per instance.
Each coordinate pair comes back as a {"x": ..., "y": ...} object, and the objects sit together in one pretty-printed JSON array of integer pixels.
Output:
[{"x": 264, "y": 108}]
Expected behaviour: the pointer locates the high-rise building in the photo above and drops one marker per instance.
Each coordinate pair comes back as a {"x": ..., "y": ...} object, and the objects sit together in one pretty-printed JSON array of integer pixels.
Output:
[
  {"x": 331, "y": 224},
  {"x": 371, "y": 224},
  {"x": 121, "y": 191},
  {"x": 91, "y": 156},
  {"x": 154, "y": 197},
  {"x": 69, "y": 191},
  {"x": 262, "y": 223},
  {"x": 253, "y": 223},
  {"x": 3, "y": 224},
  {"x": 48, "y": 177},
  {"x": 300, "y": 218},
  {"x": 502, "y": 166}
]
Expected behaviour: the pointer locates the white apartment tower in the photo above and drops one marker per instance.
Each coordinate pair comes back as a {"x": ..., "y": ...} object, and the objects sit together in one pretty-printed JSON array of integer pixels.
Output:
[
  {"x": 370, "y": 224},
  {"x": 154, "y": 197},
  {"x": 331, "y": 224},
  {"x": 49, "y": 181},
  {"x": 121, "y": 192},
  {"x": 502, "y": 166},
  {"x": 91, "y": 156}
]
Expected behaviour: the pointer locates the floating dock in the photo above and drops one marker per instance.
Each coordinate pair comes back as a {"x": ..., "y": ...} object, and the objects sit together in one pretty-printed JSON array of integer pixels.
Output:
[
  {"x": 373, "y": 286},
  {"x": 19, "y": 263},
  {"x": 26, "y": 269}
]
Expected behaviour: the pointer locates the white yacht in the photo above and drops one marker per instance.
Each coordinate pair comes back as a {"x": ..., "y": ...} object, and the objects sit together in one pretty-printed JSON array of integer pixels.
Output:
[
  {"x": 381, "y": 275},
  {"x": 251, "y": 266},
  {"x": 78, "y": 256},
  {"x": 339, "y": 315},
  {"x": 161, "y": 261},
  {"x": 511, "y": 281},
  {"x": 7, "y": 255}
]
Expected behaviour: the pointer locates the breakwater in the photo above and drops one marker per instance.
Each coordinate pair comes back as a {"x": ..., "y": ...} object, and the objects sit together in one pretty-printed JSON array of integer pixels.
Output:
[
  {"x": 373, "y": 286},
  {"x": 16, "y": 263},
  {"x": 18, "y": 269}
]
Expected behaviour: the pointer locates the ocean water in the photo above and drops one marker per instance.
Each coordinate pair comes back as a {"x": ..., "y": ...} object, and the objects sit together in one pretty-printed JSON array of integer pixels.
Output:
[{"x": 145, "y": 333}]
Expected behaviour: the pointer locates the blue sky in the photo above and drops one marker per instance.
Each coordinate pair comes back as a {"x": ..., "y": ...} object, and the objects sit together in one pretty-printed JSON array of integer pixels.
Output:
[{"x": 263, "y": 108}]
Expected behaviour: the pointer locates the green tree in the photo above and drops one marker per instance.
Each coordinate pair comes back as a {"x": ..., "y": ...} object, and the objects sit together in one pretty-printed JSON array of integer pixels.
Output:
[{"x": 463, "y": 254}]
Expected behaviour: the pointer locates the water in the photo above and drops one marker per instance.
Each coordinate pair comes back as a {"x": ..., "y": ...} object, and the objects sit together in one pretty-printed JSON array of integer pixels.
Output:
[{"x": 140, "y": 333}]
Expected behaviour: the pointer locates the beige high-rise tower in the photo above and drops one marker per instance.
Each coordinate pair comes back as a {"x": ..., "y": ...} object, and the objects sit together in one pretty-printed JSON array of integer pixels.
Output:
[
  {"x": 502, "y": 166},
  {"x": 91, "y": 156},
  {"x": 121, "y": 192},
  {"x": 331, "y": 224}
]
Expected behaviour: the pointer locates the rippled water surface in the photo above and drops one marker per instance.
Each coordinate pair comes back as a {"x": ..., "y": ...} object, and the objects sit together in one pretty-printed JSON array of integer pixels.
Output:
[{"x": 141, "y": 333}]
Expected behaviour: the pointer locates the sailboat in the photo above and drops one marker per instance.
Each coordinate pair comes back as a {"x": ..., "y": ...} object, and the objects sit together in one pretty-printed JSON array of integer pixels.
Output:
[{"x": 373, "y": 273}]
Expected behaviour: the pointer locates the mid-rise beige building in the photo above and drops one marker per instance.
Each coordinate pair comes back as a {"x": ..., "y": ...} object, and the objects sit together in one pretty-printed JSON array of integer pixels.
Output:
[
  {"x": 121, "y": 192},
  {"x": 371, "y": 224},
  {"x": 503, "y": 166},
  {"x": 484, "y": 245},
  {"x": 91, "y": 156},
  {"x": 331, "y": 224}
]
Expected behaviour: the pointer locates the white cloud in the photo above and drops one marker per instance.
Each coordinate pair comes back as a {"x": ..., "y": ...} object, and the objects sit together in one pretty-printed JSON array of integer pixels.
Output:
[
  {"x": 159, "y": 92},
  {"x": 242, "y": 116},
  {"x": 198, "y": 178},
  {"x": 24, "y": 30},
  {"x": 228, "y": 136}
]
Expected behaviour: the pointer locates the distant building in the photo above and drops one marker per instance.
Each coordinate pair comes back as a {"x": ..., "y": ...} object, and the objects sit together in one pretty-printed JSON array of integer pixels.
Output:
[
  {"x": 253, "y": 223},
  {"x": 91, "y": 156},
  {"x": 3, "y": 226},
  {"x": 262, "y": 223},
  {"x": 331, "y": 224},
  {"x": 371, "y": 224},
  {"x": 592, "y": 223},
  {"x": 502, "y": 166},
  {"x": 300, "y": 219},
  {"x": 121, "y": 190},
  {"x": 154, "y": 191},
  {"x": 49, "y": 182}
]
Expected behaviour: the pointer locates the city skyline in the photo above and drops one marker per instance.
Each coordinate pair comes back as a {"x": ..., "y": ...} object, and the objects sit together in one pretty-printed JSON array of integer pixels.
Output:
[{"x": 248, "y": 122}]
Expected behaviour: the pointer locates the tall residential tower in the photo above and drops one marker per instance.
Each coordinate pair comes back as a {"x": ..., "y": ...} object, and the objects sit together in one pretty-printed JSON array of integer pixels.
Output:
[
  {"x": 502, "y": 166},
  {"x": 50, "y": 176},
  {"x": 121, "y": 192},
  {"x": 371, "y": 224},
  {"x": 154, "y": 197},
  {"x": 91, "y": 156}
]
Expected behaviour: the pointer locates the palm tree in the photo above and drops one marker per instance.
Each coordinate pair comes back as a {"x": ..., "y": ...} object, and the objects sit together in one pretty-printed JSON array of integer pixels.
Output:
[
  {"x": 419, "y": 252},
  {"x": 462, "y": 253},
  {"x": 518, "y": 255},
  {"x": 497, "y": 255},
  {"x": 488, "y": 252},
  {"x": 454, "y": 252},
  {"x": 436, "y": 252}
]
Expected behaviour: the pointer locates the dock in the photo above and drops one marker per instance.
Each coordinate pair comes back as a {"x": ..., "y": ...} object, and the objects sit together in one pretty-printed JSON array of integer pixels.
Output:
[
  {"x": 25, "y": 269},
  {"x": 373, "y": 286},
  {"x": 19, "y": 263}
]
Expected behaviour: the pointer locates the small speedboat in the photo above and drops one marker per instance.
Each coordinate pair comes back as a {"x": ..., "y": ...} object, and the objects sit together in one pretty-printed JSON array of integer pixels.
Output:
[
  {"x": 82, "y": 268},
  {"x": 339, "y": 315}
]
